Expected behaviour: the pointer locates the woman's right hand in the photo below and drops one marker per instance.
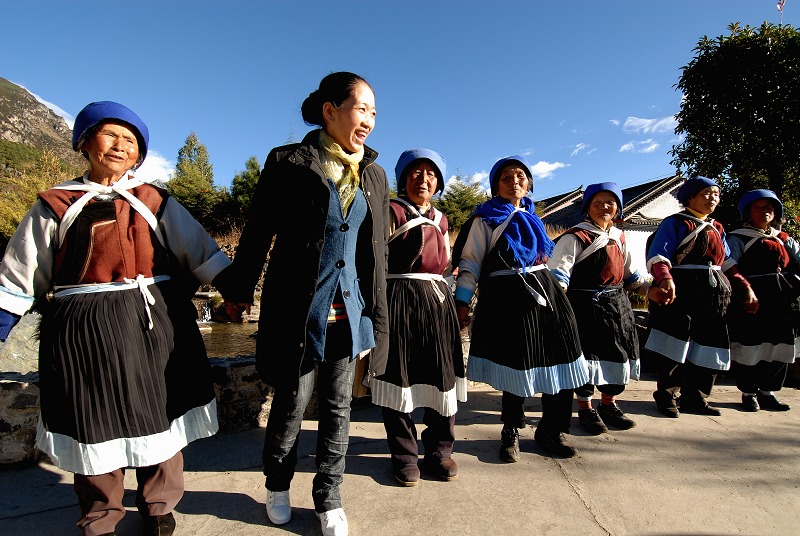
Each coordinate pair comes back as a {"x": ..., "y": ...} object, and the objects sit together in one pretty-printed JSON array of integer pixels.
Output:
[
  {"x": 663, "y": 293},
  {"x": 463, "y": 316}
]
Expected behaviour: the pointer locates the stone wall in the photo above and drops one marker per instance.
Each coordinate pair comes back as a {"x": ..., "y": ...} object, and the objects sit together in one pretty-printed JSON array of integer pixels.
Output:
[
  {"x": 243, "y": 402},
  {"x": 19, "y": 414}
]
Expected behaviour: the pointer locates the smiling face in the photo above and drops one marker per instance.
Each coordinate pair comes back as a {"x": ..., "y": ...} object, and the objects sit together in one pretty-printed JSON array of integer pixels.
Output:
[
  {"x": 762, "y": 213},
  {"x": 421, "y": 182},
  {"x": 350, "y": 123},
  {"x": 705, "y": 201},
  {"x": 111, "y": 151},
  {"x": 603, "y": 209},
  {"x": 513, "y": 183}
]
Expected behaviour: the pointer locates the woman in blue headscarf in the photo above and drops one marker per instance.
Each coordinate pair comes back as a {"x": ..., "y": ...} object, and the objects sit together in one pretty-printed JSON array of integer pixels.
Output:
[
  {"x": 124, "y": 376},
  {"x": 425, "y": 366},
  {"x": 593, "y": 265},
  {"x": 692, "y": 270},
  {"x": 763, "y": 345},
  {"x": 524, "y": 336}
]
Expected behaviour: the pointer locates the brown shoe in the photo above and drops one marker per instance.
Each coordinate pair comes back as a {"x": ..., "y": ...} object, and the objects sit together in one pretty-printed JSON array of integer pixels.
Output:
[
  {"x": 666, "y": 404},
  {"x": 441, "y": 468},
  {"x": 159, "y": 525},
  {"x": 406, "y": 475}
]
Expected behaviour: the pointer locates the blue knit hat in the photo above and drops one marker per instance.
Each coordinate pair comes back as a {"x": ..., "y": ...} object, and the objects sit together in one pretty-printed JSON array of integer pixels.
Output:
[
  {"x": 755, "y": 195},
  {"x": 521, "y": 160},
  {"x": 410, "y": 156},
  {"x": 692, "y": 186},
  {"x": 97, "y": 112},
  {"x": 593, "y": 189}
]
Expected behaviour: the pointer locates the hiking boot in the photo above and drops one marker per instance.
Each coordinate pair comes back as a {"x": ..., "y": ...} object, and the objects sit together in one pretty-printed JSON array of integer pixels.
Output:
[
  {"x": 509, "y": 444},
  {"x": 666, "y": 404},
  {"x": 590, "y": 421},
  {"x": 613, "y": 416},
  {"x": 441, "y": 468},
  {"x": 554, "y": 443},
  {"x": 771, "y": 403},
  {"x": 406, "y": 475},
  {"x": 750, "y": 403}
]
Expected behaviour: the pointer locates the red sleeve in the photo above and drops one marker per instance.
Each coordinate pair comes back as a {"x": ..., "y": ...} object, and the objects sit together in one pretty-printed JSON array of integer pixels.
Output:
[{"x": 660, "y": 271}]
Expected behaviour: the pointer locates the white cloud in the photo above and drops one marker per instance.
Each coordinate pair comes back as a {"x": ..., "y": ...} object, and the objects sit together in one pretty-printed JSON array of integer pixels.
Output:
[
  {"x": 614, "y": 122},
  {"x": 663, "y": 125},
  {"x": 583, "y": 148},
  {"x": 644, "y": 147},
  {"x": 544, "y": 170},
  {"x": 156, "y": 167}
]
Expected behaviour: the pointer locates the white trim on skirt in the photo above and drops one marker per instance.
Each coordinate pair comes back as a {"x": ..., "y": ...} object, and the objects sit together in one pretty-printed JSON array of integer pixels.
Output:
[
  {"x": 406, "y": 399},
  {"x": 101, "y": 458}
]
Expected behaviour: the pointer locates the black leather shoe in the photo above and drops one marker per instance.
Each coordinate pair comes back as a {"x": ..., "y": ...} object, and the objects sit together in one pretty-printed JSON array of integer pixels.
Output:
[
  {"x": 666, "y": 404},
  {"x": 613, "y": 416},
  {"x": 700, "y": 408},
  {"x": 771, "y": 403},
  {"x": 554, "y": 443},
  {"x": 159, "y": 525},
  {"x": 750, "y": 403},
  {"x": 406, "y": 475},
  {"x": 591, "y": 422},
  {"x": 441, "y": 468}
]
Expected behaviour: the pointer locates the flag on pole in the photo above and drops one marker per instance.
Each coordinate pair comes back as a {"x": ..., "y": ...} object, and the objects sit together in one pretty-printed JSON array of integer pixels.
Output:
[{"x": 780, "y": 5}]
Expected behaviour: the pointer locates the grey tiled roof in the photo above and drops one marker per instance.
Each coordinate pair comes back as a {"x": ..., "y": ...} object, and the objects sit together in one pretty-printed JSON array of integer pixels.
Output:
[{"x": 564, "y": 210}]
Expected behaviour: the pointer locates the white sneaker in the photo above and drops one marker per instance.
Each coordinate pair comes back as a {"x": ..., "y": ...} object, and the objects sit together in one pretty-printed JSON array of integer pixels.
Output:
[
  {"x": 279, "y": 511},
  {"x": 334, "y": 522}
]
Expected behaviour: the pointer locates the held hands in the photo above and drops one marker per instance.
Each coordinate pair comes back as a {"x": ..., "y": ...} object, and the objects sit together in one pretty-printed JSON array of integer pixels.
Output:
[
  {"x": 663, "y": 293},
  {"x": 750, "y": 302},
  {"x": 463, "y": 316},
  {"x": 236, "y": 311}
]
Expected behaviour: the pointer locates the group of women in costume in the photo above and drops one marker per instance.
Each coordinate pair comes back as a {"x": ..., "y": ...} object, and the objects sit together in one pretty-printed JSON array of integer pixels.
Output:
[{"x": 355, "y": 278}]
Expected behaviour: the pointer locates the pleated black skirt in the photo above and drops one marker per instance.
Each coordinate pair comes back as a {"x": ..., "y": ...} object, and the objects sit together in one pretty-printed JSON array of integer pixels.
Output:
[
  {"x": 426, "y": 364},
  {"x": 520, "y": 346},
  {"x": 115, "y": 393}
]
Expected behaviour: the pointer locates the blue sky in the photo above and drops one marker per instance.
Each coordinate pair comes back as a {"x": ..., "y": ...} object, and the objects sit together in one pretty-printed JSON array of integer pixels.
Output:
[{"x": 583, "y": 88}]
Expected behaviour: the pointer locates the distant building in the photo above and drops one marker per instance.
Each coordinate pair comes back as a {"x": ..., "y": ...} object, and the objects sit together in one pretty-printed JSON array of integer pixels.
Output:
[{"x": 645, "y": 206}]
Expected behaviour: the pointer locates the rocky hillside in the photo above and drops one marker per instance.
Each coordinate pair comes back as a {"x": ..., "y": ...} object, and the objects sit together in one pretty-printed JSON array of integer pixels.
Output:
[{"x": 28, "y": 124}]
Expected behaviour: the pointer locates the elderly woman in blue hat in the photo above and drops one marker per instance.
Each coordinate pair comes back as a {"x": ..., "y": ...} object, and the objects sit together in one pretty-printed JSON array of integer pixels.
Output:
[
  {"x": 124, "y": 377},
  {"x": 425, "y": 368},
  {"x": 524, "y": 335},
  {"x": 689, "y": 259},
  {"x": 593, "y": 265},
  {"x": 763, "y": 344}
]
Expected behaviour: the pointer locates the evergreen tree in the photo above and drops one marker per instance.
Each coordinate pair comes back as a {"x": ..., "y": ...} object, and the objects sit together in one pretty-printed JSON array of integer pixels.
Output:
[
  {"x": 740, "y": 115},
  {"x": 193, "y": 183},
  {"x": 243, "y": 186},
  {"x": 459, "y": 200}
]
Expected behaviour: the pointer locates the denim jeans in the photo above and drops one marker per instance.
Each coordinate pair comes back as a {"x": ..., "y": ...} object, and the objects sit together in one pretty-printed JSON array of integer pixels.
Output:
[{"x": 334, "y": 392}]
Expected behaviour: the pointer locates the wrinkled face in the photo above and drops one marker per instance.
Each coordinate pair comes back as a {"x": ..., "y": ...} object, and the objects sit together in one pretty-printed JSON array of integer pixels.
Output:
[
  {"x": 112, "y": 151},
  {"x": 421, "y": 182},
  {"x": 705, "y": 201},
  {"x": 513, "y": 183},
  {"x": 762, "y": 213},
  {"x": 603, "y": 208},
  {"x": 350, "y": 123}
]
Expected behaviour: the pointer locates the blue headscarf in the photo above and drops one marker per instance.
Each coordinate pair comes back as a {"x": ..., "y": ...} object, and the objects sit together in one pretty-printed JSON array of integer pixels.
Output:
[{"x": 525, "y": 235}]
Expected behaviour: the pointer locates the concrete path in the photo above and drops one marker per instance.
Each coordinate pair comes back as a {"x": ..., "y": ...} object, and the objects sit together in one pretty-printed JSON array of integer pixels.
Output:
[{"x": 696, "y": 475}]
